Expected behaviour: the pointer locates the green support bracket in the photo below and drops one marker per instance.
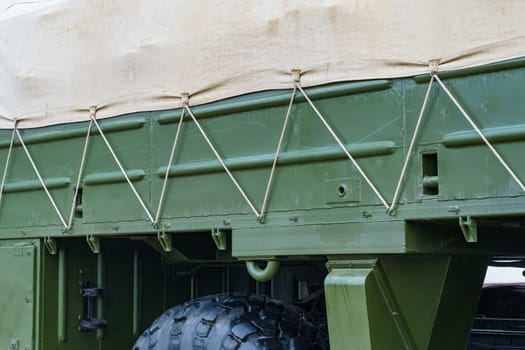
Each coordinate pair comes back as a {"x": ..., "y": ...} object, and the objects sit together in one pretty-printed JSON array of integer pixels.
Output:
[
  {"x": 469, "y": 227},
  {"x": 355, "y": 279},
  {"x": 403, "y": 302},
  {"x": 51, "y": 245},
  {"x": 220, "y": 239},
  {"x": 94, "y": 243},
  {"x": 165, "y": 241}
]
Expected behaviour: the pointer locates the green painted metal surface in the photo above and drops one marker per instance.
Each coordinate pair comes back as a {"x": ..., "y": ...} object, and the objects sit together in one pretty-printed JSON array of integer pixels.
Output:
[
  {"x": 60, "y": 317},
  {"x": 403, "y": 302},
  {"x": 374, "y": 119},
  {"x": 18, "y": 295}
]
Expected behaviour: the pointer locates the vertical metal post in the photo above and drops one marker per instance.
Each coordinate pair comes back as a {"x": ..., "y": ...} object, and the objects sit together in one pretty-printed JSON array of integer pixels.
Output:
[
  {"x": 61, "y": 307},
  {"x": 100, "y": 284},
  {"x": 196, "y": 285},
  {"x": 227, "y": 278},
  {"x": 164, "y": 285},
  {"x": 302, "y": 289},
  {"x": 136, "y": 294},
  {"x": 192, "y": 287},
  {"x": 223, "y": 279}
]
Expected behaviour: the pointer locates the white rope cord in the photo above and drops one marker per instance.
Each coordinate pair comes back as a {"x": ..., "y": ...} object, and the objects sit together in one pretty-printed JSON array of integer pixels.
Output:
[
  {"x": 277, "y": 152},
  {"x": 150, "y": 217},
  {"x": 340, "y": 143},
  {"x": 252, "y": 207},
  {"x": 172, "y": 154},
  {"x": 478, "y": 131},
  {"x": 80, "y": 172},
  {"x": 410, "y": 148},
  {"x": 40, "y": 178},
  {"x": 11, "y": 143}
]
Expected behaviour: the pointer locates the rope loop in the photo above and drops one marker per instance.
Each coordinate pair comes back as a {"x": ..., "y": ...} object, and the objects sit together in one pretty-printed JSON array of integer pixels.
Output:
[
  {"x": 121, "y": 168},
  {"x": 168, "y": 167},
  {"x": 92, "y": 116},
  {"x": 8, "y": 159},
  {"x": 221, "y": 161},
  {"x": 185, "y": 99},
  {"x": 40, "y": 179},
  {"x": 434, "y": 65},
  {"x": 391, "y": 209},
  {"x": 276, "y": 158},
  {"x": 296, "y": 75},
  {"x": 343, "y": 147}
]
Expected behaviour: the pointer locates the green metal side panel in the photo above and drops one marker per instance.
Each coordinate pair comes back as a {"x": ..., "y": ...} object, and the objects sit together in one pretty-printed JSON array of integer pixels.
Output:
[
  {"x": 17, "y": 296},
  {"x": 451, "y": 174}
]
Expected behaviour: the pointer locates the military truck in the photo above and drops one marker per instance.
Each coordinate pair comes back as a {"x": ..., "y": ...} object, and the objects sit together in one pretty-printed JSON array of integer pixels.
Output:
[{"x": 256, "y": 175}]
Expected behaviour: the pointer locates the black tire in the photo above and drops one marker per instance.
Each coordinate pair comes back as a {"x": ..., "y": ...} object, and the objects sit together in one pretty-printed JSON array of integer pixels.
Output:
[{"x": 233, "y": 322}]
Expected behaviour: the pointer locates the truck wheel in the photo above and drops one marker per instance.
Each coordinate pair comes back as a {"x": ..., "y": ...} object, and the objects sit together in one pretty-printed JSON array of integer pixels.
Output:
[{"x": 233, "y": 322}]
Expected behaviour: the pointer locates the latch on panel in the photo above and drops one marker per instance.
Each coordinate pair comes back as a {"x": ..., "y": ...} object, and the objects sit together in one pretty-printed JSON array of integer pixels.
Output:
[
  {"x": 165, "y": 241},
  {"x": 51, "y": 245},
  {"x": 88, "y": 321},
  {"x": 220, "y": 239},
  {"x": 469, "y": 227},
  {"x": 94, "y": 243}
]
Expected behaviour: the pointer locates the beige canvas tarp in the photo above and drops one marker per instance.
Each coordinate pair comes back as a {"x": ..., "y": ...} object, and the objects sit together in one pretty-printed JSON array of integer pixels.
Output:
[{"x": 58, "y": 57}]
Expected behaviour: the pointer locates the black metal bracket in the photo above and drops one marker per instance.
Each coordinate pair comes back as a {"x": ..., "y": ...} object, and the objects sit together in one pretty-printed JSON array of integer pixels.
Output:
[{"x": 89, "y": 322}]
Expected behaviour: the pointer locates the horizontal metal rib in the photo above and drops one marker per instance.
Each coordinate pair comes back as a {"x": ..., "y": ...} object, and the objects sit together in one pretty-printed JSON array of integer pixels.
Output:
[
  {"x": 113, "y": 177},
  {"x": 33, "y": 185},
  {"x": 370, "y": 149},
  {"x": 78, "y": 130},
  {"x": 494, "y": 135}
]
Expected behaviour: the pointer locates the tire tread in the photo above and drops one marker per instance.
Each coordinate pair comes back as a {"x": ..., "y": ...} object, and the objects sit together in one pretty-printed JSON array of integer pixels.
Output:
[{"x": 233, "y": 322}]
